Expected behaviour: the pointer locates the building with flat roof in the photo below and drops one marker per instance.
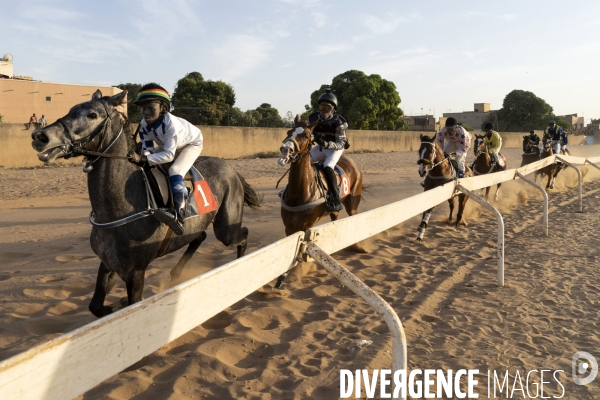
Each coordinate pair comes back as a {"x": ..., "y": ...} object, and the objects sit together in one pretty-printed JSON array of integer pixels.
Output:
[
  {"x": 475, "y": 118},
  {"x": 575, "y": 121},
  {"x": 21, "y": 96}
]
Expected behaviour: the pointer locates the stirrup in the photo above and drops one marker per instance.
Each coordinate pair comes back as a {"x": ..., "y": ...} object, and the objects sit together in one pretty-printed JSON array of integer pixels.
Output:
[{"x": 167, "y": 217}]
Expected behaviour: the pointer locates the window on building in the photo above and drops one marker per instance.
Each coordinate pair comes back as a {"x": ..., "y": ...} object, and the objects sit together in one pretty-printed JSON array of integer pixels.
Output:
[{"x": 48, "y": 98}]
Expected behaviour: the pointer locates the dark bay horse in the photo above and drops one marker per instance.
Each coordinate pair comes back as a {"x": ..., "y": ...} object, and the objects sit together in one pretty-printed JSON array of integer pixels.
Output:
[
  {"x": 117, "y": 189},
  {"x": 483, "y": 163},
  {"x": 531, "y": 152},
  {"x": 551, "y": 170},
  {"x": 303, "y": 202},
  {"x": 438, "y": 170}
]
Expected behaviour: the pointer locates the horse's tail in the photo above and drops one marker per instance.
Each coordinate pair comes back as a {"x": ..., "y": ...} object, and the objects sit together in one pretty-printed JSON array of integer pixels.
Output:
[{"x": 251, "y": 197}]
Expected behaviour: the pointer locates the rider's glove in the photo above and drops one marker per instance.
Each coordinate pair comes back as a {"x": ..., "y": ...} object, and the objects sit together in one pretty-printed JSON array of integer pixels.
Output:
[
  {"x": 137, "y": 159},
  {"x": 319, "y": 139}
]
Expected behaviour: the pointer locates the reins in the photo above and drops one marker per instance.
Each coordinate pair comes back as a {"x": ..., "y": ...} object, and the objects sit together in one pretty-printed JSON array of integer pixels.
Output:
[{"x": 438, "y": 163}]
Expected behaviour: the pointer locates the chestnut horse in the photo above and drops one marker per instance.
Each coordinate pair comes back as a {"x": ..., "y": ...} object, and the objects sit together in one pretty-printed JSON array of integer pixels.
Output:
[
  {"x": 483, "y": 163},
  {"x": 439, "y": 171},
  {"x": 303, "y": 200},
  {"x": 551, "y": 170}
]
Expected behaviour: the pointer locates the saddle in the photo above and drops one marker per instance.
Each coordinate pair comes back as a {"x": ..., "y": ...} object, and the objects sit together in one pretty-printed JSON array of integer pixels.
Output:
[
  {"x": 342, "y": 179},
  {"x": 200, "y": 199}
]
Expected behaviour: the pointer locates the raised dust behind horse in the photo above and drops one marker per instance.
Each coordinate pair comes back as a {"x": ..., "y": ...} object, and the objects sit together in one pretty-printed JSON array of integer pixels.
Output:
[
  {"x": 551, "y": 170},
  {"x": 117, "y": 189},
  {"x": 302, "y": 207},
  {"x": 437, "y": 169}
]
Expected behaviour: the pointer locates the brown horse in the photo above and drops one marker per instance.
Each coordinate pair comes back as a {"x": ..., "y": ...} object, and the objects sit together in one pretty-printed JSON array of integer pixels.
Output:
[
  {"x": 483, "y": 163},
  {"x": 551, "y": 170},
  {"x": 303, "y": 200},
  {"x": 439, "y": 171}
]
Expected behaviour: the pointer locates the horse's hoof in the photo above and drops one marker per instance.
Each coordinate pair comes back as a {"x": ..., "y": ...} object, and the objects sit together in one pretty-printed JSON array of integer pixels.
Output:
[{"x": 420, "y": 240}]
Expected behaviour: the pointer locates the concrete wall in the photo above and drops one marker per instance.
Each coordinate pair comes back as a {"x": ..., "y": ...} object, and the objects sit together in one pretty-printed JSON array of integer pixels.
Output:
[
  {"x": 237, "y": 142},
  {"x": 20, "y": 99}
]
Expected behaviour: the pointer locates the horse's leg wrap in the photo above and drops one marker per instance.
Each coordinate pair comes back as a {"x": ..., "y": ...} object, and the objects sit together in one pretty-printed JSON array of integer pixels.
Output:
[
  {"x": 423, "y": 227},
  {"x": 280, "y": 280}
]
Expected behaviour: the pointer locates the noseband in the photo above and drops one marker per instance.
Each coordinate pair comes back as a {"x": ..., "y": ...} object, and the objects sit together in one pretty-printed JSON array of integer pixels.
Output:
[
  {"x": 297, "y": 154},
  {"x": 75, "y": 147},
  {"x": 429, "y": 162}
]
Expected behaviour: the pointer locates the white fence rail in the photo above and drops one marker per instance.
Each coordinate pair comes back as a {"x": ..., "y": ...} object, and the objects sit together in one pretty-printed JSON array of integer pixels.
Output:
[{"x": 73, "y": 363}]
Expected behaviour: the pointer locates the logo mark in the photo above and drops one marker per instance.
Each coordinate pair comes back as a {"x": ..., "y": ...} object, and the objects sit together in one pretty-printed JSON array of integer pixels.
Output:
[{"x": 581, "y": 367}]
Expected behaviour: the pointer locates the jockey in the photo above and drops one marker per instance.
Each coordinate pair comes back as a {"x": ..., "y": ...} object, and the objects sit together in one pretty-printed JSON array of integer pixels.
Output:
[
  {"x": 494, "y": 143},
  {"x": 171, "y": 134},
  {"x": 330, "y": 135},
  {"x": 458, "y": 140},
  {"x": 558, "y": 136},
  {"x": 535, "y": 139}
]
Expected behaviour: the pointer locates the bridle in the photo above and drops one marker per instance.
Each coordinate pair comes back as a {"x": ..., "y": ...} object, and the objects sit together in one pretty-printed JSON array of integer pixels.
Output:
[
  {"x": 298, "y": 154},
  {"x": 479, "y": 151},
  {"x": 75, "y": 147},
  {"x": 428, "y": 163}
]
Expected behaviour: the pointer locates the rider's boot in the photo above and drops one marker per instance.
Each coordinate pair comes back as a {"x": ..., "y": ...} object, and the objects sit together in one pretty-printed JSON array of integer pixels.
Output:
[
  {"x": 334, "y": 203},
  {"x": 179, "y": 195}
]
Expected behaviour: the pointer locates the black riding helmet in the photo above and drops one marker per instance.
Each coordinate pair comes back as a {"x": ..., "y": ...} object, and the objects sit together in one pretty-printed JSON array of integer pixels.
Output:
[
  {"x": 328, "y": 97},
  {"x": 450, "y": 122}
]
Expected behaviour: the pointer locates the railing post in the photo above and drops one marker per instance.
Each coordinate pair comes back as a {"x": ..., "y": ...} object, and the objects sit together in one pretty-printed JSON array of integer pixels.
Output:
[
  {"x": 399, "y": 361},
  {"x": 579, "y": 179},
  {"x": 544, "y": 194},
  {"x": 500, "y": 230}
]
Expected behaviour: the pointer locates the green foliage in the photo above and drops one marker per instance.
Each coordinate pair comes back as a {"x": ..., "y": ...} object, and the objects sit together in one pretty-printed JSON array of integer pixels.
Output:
[
  {"x": 596, "y": 121},
  {"x": 467, "y": 127},
  {"x": 269, "y": 116},
  {"x": 523, "y": 111},
  {"x": 134, "y": 113},
  {"x": 367, "y": 102},
  {"x": 244, "y": 118},
  {"x": 203, "y": 102},
  {"x": 560, "y": 121}
]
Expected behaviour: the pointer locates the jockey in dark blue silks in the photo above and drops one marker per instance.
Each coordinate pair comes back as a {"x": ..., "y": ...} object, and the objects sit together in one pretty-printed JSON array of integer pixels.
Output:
[
  {"x": 330, "y": 135},
  {"x": 559, "y": 138}
]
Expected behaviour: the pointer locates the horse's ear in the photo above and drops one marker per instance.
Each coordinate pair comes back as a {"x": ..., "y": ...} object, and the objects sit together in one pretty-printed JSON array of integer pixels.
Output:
[
  {"x": 97, "y": 95},
  {"x": 421, "y": 136},
  {"x": 297, "y": 119},
  {"x": 118, "y": 99}
]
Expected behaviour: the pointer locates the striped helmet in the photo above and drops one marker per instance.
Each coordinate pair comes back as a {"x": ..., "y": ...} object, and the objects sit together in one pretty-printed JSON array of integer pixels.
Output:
[{"x": 152, "y": 91}]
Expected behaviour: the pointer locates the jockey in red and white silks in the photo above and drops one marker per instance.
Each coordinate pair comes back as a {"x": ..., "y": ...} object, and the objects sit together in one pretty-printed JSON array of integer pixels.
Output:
[{"x": 453, "y": 138}]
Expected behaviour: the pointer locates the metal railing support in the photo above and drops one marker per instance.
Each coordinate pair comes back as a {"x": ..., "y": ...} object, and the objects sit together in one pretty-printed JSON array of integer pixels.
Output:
[
  {"x": 544, "y": 194},
  {"x": 399, "y": 361},
  {"x": 579, "y": 178},
  {"x": 500, "y": 230},
  {"x": 591, "y": 163}
]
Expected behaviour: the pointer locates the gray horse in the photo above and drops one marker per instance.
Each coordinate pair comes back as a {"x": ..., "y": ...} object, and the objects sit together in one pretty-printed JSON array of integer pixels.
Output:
[{"x": 117, "y": 190}]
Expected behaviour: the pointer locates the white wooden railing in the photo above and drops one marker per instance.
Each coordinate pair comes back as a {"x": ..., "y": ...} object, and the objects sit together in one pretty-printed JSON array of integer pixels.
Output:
[{"x": 73, "y": 363}]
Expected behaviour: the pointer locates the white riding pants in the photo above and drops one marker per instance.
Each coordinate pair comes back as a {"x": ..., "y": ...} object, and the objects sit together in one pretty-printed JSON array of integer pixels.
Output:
[
  {"x": 330, "y": 157},
  {"x": 451, "y": 147},
  {"x": 558, "y": 146},
  {"x": 185, "y": 160}
]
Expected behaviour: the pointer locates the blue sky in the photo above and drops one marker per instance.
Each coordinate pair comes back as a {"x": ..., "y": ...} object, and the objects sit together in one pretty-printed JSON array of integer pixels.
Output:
[{"x": 441, "y": 55}]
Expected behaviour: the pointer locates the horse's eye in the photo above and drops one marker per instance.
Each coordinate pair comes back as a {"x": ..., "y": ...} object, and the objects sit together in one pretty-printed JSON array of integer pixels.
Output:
[{"x": 92, "y": 115}]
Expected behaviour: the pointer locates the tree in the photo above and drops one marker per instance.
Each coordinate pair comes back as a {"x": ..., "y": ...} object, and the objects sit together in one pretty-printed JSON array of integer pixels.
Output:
[
  {"x": 269, "y": 116},
  {"x": 288, "y": 120},
  {"x": 203, "y": 102},
  {"x": 367, "y": 102},
  {"x": 523, "y": 111},
  {"x": 560, "y": 121},
  {"x": 134, "y": 112}
]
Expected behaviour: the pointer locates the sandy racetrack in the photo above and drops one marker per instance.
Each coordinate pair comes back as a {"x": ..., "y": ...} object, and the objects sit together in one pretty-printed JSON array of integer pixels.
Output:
[{"x": 292, "y": 343}]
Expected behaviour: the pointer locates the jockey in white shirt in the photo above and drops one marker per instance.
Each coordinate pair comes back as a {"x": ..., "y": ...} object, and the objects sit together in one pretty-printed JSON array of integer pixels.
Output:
[
  {"x": 454, "y": 138},
  {"x": 170, "y": 133}
]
